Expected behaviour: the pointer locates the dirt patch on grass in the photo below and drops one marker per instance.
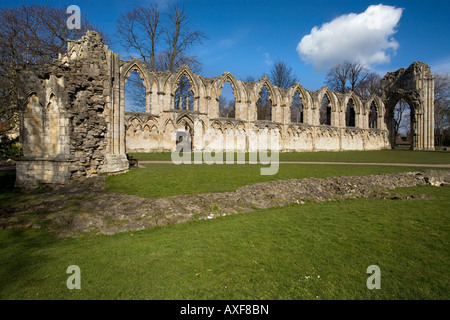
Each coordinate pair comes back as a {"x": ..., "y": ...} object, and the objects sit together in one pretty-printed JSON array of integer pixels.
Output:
[{"x": 85, "y": 207}]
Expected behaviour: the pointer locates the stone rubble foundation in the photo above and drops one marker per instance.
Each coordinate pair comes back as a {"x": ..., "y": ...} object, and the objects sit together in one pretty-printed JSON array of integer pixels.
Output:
[{"x": 84, "y": 207}]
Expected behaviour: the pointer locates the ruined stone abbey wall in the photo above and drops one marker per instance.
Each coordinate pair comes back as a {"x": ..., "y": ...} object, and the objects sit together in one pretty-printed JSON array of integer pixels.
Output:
[
  {"x": 74, "y": 124},
  {"x": 156, "y": 129}
]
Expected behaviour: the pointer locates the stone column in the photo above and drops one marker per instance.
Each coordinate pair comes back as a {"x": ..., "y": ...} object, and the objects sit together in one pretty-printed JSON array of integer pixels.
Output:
[
  {"x": 115, "y": 159},
  {"x": 431, "y": 107},
  {"x": 148, "y": 100}
]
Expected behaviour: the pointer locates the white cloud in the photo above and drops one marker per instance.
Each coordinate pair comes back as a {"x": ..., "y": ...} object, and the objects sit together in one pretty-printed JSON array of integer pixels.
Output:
[
  {"x": 364, "y": 38},
  {"x": 227, "y": 43},
  {"x": 267, "y": 60}
]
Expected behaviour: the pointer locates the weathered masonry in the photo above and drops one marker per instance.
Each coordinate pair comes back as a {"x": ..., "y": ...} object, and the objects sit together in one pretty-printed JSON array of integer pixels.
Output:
[
  {"x": 71, "y": 122},
  {"x": 74, "y": 124}
]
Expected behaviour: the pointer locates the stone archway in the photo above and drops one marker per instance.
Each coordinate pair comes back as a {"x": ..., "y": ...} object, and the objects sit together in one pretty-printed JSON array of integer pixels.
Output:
[
  {"x": 415, "y": 85},
  {"x": 185, "y": 133},
  {"x": 394, "y": 125}
]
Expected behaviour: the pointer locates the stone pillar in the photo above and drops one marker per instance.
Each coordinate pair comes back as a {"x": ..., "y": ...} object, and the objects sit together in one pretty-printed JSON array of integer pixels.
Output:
[
  {"x": 148, "y": 101},
  {"x": 238, "y": 110},
  {"x": 252, "y": 111},
  {"x": 430, "y": 89},
  {"x": 308, "y": 115}
]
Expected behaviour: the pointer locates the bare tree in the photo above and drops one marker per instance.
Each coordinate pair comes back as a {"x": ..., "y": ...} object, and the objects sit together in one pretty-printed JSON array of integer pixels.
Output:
[
  {"x": 356, "y": 74},
  {"x": 350, "y": 114},
  {"x": 250, "y": 79},
  {"x": 183, "y": 98},
  {"x": 180, "y": 38},
  {"x": 139, "y": 30},
  {"x": 325, "y": 111},
  {"x": 264, "y": 105},
  {"x": 162, "y": 41},
  {"x": 281, "y": 75},
  {"x": 297, "y": 108},
  {"x": 135, "y": 94},
  {"x": 346, "y": 76},
  {"x": 373, "y": 116},
  {"x": 30, "y": 35},
  {"x": 442, "y": 109},
  {"x": 336, "y": 78},
  {"x": 401, "y": 118},
  {"x": 371, "y": 85},
  {"x": 226, "y": 107}
]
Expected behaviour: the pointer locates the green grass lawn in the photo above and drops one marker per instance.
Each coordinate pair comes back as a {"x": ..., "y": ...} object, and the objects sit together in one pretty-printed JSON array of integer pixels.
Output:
[
  {"x": 157, "y": 180},
  {"x": 382, "y": 156},
  {"x": 310, "y": 251}
]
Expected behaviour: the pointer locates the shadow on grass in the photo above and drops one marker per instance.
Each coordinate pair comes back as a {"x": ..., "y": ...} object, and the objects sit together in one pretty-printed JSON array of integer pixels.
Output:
[
  {"x": 7, "y": 180},
  {"x": 15, "y": 261}
]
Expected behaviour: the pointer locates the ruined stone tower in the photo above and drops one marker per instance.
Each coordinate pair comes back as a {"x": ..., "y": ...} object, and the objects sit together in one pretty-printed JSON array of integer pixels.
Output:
[
  {"x": 71, "y": 125},
  {"x": 416, "y": 86}
]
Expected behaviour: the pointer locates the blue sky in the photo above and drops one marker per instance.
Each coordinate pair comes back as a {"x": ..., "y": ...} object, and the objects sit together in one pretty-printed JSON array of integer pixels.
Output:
[{"x": 245, "y": 37}]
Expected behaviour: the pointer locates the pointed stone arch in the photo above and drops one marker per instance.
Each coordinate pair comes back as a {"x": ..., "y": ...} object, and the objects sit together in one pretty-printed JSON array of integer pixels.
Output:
[
  {"x": 240, "y": 126},
  {"x": 134, "y": 121},
  {"x": 193, "y": 92},
  {"x": 31, "y": 137},
  {"x": 32, "y": 96},
  {"x": 228, "y": 77},
  {"x": 184, "y": 70},
  {"x": 273, "y": 93},
  {"x": 357, "y": 103},
  {"x": 304, "y": 94},
  {"x": 374, "y": 121},
  {"x": 136, "y": 65},
  {"x": 168, "y": 122},
  {"x": 415, "y": 105},
  {"x": 216, "y": 124},
  {"x": 186, "y": 119},
  {"x": 140, "y": 67},
  {"x": 305, "y": 98},
  {"x": 154, "y": 129},
  {"x": 185, "y": 124},
  {"x": 168, "y": 135},
  {"x": 273, "y": 97},
  {"x": 350, "y": 111},
  {"x": 235, "y": 107},
  {"x": 378, "y": 103},
  {"x": 326, "y": 115},
  {"x": 331, "y": 97},
  {"x": 229, "y": 125},
  {"x": 51, "y": 101},
  {"x": 151, "y": 121},
  {"x": 51, "y": 127}
]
